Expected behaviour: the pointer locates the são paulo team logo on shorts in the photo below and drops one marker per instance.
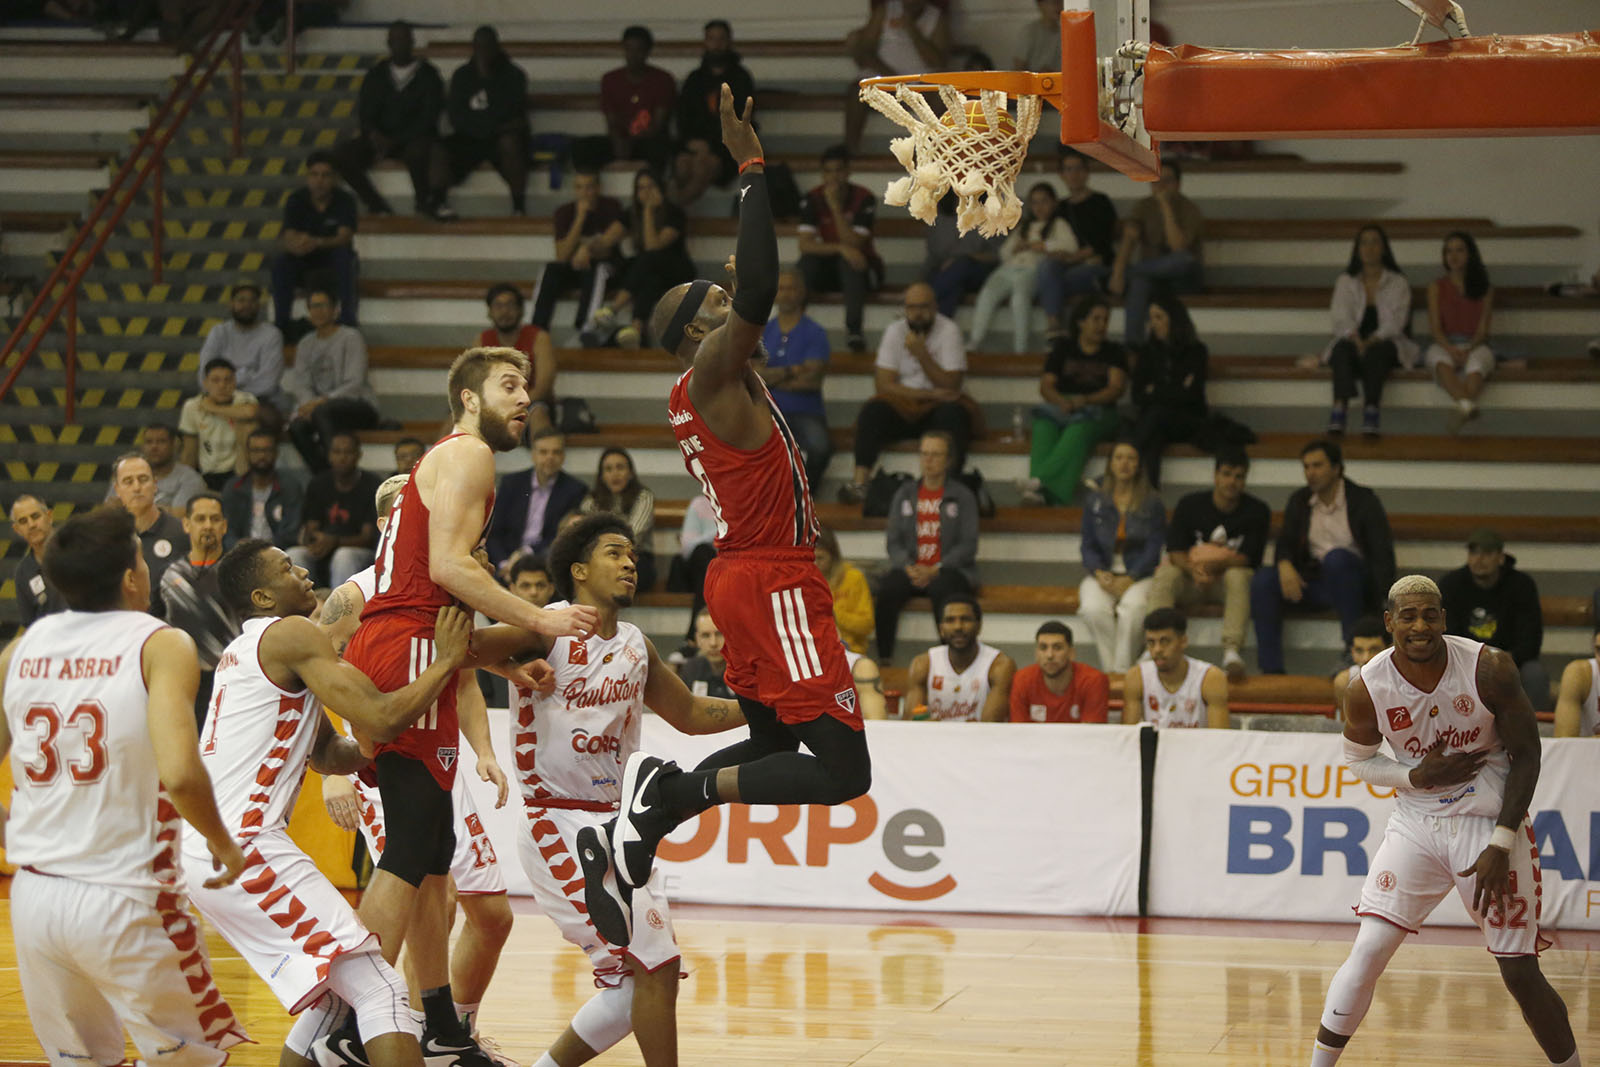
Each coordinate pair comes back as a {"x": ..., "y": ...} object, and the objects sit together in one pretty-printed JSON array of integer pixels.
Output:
[
  {"x": 846, "y": 699},
  {"x": 447, "y": 757},
  {"x": 1462, "y": 704},
  {"x": 1386, "y": 881}
]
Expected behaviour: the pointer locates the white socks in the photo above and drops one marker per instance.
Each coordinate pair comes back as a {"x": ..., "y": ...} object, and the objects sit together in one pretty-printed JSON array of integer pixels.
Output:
[{"x": 1325, "y": 1055}]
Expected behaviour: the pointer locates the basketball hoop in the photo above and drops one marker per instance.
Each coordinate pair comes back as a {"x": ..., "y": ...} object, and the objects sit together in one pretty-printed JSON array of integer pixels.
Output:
[{"x": 975, "y": 149}]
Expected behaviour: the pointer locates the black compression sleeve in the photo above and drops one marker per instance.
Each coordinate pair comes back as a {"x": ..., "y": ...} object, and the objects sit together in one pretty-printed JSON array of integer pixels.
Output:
[{"x": 757, "y": 251}]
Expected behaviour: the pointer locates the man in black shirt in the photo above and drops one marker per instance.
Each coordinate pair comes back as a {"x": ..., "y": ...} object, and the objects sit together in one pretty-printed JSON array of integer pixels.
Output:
[
  {"x": 1215, "y": 541},
  {"x": 32, "y": 522},
  {"x": 704, "y": 161},
  {"x": 319, "y": 230},
  {"x": 339, "y": 528},
  {"x": 1093, "y": 219},
  {"x": 190, "y": 592},
  {"x": 398, "y": 109},
  {"x": 1489, "y": 600},
  {"x": 488, "y": 107},
  {"x": 161, "y": 536}
]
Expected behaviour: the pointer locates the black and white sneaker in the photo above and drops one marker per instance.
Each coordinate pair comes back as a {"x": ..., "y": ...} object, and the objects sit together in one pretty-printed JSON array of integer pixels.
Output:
[
  {"x": 339, "y": 1049},
  {"x": 439, "y": 1051},
  {"x": 642, "y": 821},
  {"x": 610, "y": 905}
]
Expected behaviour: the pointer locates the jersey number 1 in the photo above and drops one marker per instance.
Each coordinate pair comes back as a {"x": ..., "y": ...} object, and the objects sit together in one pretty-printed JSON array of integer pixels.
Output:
[
  {"x": 698, "y": 469},
  {"x": 89, "y": 720}
]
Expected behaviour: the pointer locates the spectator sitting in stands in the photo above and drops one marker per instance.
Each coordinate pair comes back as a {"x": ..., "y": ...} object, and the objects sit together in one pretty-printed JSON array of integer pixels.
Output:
[
  {"x": 899, "y": 37},
  {"x": 1084, "y": 375},
  {"x": 696, "y": 550},
  {"x": 192, "y": 597},
  {"x": 1578, "y": 706},
  {"x": 1093, "y": 219},
  {"x": 329, "y": 378},
  {"x": 1215, "y": 541},
  {"x": 1367, "y": 639},
  {"x": 1124, "y": 532},
  {"x": 1371, "y": 316},
  {"x": 919, "y": 372},
  {"x": 507, "y": 330},
  {"x": 703, "y": 160},
  {"x": 1335, "y": 550},
  {"x": 836, "y": 250},
  {"x": 215, "y": 423},
  {"x": 319, "y": 231},
  {"x": 796, "y": 364},
  {"x": 932, "y": 541},
  {"x": 1039, "y": 45},
  {"x": 1172, "y": 688},
  {"x": 339, "y": 518},
  {"x": 488, "y": 108},
  {"x": 1489, "y": 600},
  {"x": 263, "y": 502},
  {"x": 852, "y": 597},
  {"x": 588, "y": 231},
  {"x": 1460, "y": 307},
  {"x": 1041, "y": 234},
  {"x": 1160, "y": 247},
  {"x": 658, "y": 230},
  {"x": 530, "y": 580},
  {"x": 398, "y": 109},
  {"x": 1056, "y": 688},
  {"x": 161, "y": 537},
  {"x": 636, "y": 100},
  {"x": 32, "y": 523},
  {"x": 703, "y": 671},
  {"x": 176, "y": 483},
  {"x": 961, "y": 679},
  {"x": 1169, "y": 383},
  {"x": 617, "y": 489},
  {"x": 408, "y": 452},
  {"x": 529, "y": 504},
  {"x": 956, "y": 263},
  {"x": 252, "y": 346}
]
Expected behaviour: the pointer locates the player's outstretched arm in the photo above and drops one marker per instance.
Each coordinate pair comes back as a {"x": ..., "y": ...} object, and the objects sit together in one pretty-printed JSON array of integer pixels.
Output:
[
  {"x": 1569, "y": 700},
  {"x": 473, "y": 715},
  {"x": 997, "y": 706},
  {"x": 667, "y": 696},
  {"x": 171, "y": 676},
  {"x": 296, "y": 646},
  {"x": 334, "y": 755},
  {"x": 1214, "y": 691},
  {"x": 455, "y": 521}
]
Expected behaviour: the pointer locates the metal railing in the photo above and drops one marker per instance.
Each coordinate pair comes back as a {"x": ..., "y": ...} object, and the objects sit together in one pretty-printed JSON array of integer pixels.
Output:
[{"x": 144, "y": 166}]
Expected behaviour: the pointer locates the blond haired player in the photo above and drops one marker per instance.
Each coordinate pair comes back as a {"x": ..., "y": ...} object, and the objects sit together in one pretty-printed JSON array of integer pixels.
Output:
[
  {"x": 571, "y": 746},
  {"x": 265, "y": 727},
  {"x": 99, "y": 721},
  {"x": 1465, "y": 763}
]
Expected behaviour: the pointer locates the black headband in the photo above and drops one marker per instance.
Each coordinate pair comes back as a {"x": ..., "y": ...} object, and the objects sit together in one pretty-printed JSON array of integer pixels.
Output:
[{"x": 688, "y": 308}]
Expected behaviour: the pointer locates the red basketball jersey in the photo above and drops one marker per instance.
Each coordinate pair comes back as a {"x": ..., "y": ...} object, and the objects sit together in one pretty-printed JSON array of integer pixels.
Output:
[
  {"x": 760, "y": 496},
  {"x": 400, "y": 573}
]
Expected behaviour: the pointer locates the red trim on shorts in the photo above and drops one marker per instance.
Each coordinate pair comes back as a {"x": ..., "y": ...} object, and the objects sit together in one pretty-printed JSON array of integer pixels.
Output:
[
  {"x": 1379, "y": 915},
  {"x": 571, "y": 883},
  {"x": 776, "y": 554},
  {"x": 480, "y": 892},
  {"x": 570, "y": 804},
  {"x": 216, "y": 1018}
]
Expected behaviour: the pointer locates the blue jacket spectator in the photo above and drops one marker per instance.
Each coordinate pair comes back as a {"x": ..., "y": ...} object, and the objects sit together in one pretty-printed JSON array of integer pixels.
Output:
[
  {"x": 264, "y": 501},
  {"x": 797, "y": 362},
  {"x": 1124, "y": 535}
]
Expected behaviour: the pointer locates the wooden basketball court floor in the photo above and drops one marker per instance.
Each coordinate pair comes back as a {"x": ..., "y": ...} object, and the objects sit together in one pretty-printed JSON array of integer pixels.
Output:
[{"x": 779, "y": 986}]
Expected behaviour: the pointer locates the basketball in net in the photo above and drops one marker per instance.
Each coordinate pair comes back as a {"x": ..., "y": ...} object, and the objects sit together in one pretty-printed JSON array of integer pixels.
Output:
[{"x": 975, "y": 148}]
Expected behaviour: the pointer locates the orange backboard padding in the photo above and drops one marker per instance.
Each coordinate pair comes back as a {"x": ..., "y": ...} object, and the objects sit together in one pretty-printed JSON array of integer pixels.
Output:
[{"x": 1475, "y": 86}]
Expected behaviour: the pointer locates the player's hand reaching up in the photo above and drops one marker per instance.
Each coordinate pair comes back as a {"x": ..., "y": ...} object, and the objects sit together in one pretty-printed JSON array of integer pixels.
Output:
[
  {"x": 574, "y": 620},
  {"x": 452, "y": 635},
  {"x": 737, "y": 133},
  {"x": 227, "y": 861}
]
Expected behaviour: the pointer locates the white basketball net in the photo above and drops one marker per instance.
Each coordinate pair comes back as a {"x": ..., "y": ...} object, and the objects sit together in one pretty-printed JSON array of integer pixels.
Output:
[{"x": 979, "y": 165}]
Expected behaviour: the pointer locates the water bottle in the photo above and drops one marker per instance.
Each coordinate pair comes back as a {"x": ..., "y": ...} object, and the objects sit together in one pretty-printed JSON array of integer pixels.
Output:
[{"x": 1017, "y": 429}]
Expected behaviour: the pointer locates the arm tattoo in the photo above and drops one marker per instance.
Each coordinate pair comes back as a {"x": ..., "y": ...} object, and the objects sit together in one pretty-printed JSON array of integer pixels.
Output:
[{"x": 336, "y": 608}]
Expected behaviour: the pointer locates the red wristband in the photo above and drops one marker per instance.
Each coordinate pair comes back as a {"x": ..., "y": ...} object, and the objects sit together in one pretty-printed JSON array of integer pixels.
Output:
[{"x": 751, "y": 162}]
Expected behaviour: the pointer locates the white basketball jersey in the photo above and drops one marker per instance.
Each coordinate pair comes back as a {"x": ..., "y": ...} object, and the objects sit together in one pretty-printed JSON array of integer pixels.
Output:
[
  {"x": 366, "y": 582},
  {"x": 1166, "y": 710},
  {"x": 87, "y": 802},
  {"x": 1413, "y": 721},
  {"x": 257, "y": 739},
  {"x": 958, "y": 697},
  {"x": 1589, "y": 721},
  {"x": 571, "y": 745}
]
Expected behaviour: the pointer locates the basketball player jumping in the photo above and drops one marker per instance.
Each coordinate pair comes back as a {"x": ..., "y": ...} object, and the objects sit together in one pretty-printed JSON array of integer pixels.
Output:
[
  {"x": 425, "y": 562},
  {"x": 786, "y": 663},
  {"x": 1466, "y": 747},
  {"x": 99, "y": 701},
  {"x": 266, "y": 724}
]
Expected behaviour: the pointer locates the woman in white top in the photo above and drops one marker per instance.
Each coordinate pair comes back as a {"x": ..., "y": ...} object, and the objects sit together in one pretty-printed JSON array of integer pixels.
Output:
[
  {"x": 1039, "y": 236},
  {"x": 617, "y": 490},
  {"x": 1371, "y": 312}
]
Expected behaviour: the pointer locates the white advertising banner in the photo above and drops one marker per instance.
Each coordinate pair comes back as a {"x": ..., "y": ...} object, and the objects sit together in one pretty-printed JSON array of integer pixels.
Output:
[
  {"x": 977, "y": 817},
  {"x": 1260, "y": 825}
]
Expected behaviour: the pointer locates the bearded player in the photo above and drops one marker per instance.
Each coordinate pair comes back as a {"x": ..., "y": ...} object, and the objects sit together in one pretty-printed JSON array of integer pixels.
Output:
[
  {"x": 425, "y": 562},
  {"x": 786, "y": 663},
  {"x": 1466, "y": 748}
]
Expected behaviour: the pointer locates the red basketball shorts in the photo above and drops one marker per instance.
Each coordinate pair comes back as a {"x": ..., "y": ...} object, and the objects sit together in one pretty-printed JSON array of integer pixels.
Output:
[
  {"x": 393, "y": 649},
  {"x": 775, "y": 611}
]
